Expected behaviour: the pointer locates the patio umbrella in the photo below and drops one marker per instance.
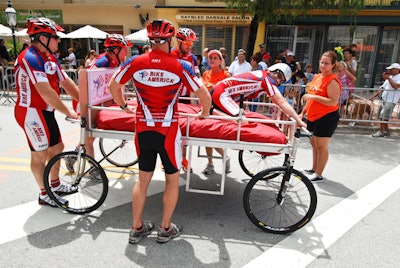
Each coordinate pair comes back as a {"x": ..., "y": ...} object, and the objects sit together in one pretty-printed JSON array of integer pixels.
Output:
[
  {"x": 5, "y": 31},
  {"x": 88, "y": 32},
  {"x": 138, "y": 37}
]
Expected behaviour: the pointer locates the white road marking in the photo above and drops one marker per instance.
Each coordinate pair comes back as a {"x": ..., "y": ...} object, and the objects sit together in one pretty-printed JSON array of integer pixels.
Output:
[
  {"x": 305, "y": 245},
  {"x": 29, "y": 218}
]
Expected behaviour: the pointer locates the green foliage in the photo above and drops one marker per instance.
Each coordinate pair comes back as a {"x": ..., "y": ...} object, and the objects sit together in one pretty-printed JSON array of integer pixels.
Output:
[
  {"x": 10, "y": 46},
  {"x": 272, "y": 11}
]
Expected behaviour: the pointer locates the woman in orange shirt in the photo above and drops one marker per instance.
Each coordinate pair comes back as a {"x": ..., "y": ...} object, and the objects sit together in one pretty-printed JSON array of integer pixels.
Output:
[
  {"x": 322, "y": 112},
  {"x": 210, "y": 77}
]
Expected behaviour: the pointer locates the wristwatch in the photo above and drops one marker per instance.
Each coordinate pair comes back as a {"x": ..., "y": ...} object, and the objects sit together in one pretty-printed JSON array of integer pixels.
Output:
[{"x": 124, "y": 106}]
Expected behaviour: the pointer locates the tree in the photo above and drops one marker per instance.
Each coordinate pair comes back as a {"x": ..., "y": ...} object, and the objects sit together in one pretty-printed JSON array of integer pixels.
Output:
[{"x": 274, "y": 11}]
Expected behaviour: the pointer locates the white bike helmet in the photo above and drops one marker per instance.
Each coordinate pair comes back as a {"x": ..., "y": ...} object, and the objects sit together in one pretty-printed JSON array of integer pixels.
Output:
[{"x": 284, "y": 68}]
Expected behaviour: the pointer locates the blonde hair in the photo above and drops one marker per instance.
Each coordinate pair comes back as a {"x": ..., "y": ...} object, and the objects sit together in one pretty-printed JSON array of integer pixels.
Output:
[{"x": 333, "y": 56}]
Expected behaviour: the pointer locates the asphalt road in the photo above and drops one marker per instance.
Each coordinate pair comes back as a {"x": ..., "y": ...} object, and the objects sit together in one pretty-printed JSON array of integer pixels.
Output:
[{"x": 355, "y": 224}]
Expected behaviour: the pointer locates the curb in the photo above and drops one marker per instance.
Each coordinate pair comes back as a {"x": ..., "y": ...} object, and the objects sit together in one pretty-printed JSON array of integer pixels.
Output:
[{"x": 365, "y": 130}]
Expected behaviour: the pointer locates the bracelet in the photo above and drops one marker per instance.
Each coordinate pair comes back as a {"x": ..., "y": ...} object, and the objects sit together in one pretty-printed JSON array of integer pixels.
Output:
[{"x": 124, "y": 107}]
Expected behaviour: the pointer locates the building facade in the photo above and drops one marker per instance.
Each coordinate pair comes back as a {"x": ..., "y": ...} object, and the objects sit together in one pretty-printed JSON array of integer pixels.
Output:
[{"x": 376, "y": 33}]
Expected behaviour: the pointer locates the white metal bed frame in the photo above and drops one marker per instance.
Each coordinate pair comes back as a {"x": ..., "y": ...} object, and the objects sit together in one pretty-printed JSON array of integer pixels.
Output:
[{"x": 286, "y": 125}]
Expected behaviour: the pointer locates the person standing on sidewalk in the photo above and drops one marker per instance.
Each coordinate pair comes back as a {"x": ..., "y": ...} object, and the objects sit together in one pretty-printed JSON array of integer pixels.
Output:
[
  {"x": 390, "y": 95},
  {"x": 158, "y": 78},
  {"x": 38, "y": 74}
]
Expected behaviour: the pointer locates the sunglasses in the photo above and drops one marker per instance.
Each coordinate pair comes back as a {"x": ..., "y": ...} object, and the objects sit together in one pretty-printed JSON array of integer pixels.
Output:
[
  {"x": 187, "y": 43},
  {"x": 160, "y": 41},
  {"x": 55, "y": 37}
]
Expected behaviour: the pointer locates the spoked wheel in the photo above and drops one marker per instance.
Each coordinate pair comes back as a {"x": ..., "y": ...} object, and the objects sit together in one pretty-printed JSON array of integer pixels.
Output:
[
  {"x": 277, "y": 211},
  {"x": 87, "y": 177},
  {"x": 253, "y": 162},
  {"x": 121, "y": 153}
]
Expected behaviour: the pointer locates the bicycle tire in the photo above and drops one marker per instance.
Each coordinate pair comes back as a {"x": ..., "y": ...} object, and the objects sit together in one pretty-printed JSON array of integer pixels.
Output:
[
  {"x": 92, "y": 191},
  {"x": 262, "y": 207},
  {"x": 253, "y": 162},
  {"x": 120, "y": 153}
]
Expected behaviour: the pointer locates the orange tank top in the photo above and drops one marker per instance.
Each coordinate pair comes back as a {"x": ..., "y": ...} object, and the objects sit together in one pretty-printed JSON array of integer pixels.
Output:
[{"x": 319, "y": 86}]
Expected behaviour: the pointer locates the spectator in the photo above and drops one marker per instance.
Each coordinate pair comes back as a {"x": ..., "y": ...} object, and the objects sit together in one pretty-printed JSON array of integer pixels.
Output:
[
  {"x": 390, "y": 95},
  {"x": 157, "y": 129},
  {"x": 255, "y": 63},
  {"x": 225, "y": 56},
  {"x": 309, "y": 72},
  {"x": 260, "y": 54},
  {"x": 322, "y": 112},
  {"x": 265, "y": 61},
  {"x": 34, "y": 109},
  {"x": 204, "y": 59},
  {"x": 347, "y": 80},
  {"x": 71, "y": 58},
  {"x": 90, "y": 57},
  {"x": 5, "y": 57},
  {"x": 146, "y": 49},
  {"x": 25, "y": 45},
  {"x": 350, "y": 61},
  {"x": 240, "y": 65},
  {"x": 210, "y": 78}
]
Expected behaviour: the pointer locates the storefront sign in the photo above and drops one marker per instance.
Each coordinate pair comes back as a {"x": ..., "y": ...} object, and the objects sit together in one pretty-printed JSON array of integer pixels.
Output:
[
  {"x": 213, "y": 19},
  {"x": 24, "y": 14}
]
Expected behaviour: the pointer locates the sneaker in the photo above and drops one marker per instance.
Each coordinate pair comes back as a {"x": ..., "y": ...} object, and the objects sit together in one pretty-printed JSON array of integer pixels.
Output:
[
  {"x": 209, "y": 169},
  {"x": 185, "y": 165},
  {"x": 64, "y": 189},
  {"x": 164, "y": 236},
  {"x": 95, "y": 174},
  {"x": 380, "y": 134},
  {"x": 135, "y": 236},
  {"x": 228, "y": 164},
  {"x": 308, "y": 171},
  {"x": 315, "y": 178},
  {"x": 45, "y": 200},
  {"x": 352, "y": 124},
  {"x": 69, "y": 163}
]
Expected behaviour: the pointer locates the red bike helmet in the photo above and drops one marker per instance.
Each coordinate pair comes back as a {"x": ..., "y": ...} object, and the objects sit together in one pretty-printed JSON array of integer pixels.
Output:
[
  {"x": 116, "y": 40},
  {"x": 43, "y": 25},
  {"x": 162, "y": 29},
  {"x": 186, "y": 34}
]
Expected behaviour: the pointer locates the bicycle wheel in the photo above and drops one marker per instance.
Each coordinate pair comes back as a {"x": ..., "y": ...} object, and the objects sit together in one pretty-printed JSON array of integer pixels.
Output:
[
  {"x": 121, "y": 153},
  {"x": 87, "y": 175},
  {"x": 279, "y": 213},
  {"x": 253, "y": 162}
]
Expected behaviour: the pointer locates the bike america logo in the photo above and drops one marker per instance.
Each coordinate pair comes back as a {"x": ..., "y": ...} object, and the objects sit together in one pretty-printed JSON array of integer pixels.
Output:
[{"x": 156, "y": 77}]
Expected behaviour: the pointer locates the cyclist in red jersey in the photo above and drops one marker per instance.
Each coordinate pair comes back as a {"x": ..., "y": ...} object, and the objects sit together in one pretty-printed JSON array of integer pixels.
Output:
[
  {"x": 38, "y": 74},
  {"x": 158, "y": 78},
  {"x": 226, "y": 93},
  {"x": 185, "y": 38},
  {"x": 116, "y": 50}
]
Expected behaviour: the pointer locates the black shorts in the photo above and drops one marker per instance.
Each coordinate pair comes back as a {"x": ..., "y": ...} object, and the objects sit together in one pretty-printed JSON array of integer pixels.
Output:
[
  {"x": 151, "y": 143},
  {"x": 324, "y": 126}
]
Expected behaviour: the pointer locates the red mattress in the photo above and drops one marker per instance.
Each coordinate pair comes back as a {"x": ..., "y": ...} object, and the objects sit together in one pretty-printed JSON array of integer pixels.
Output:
[{"x": 200, "y": 128}]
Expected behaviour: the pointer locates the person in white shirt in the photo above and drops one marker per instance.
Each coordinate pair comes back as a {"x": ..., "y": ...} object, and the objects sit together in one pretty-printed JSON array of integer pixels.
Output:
[
  {"x": 71, "y": 58},
  {"x": 390, "y": 95},
  {"x": 240, "y": 65}
]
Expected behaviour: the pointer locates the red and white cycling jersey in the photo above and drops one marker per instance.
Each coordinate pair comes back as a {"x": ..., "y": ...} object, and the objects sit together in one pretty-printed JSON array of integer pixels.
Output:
[
  {"x": 189, "y": 59},
  {"x": 158, "y": 78},
  {"x": 103, "y": 60},
  {"x": 34, "y": 67},
  {"x": 226, "y": 93}
]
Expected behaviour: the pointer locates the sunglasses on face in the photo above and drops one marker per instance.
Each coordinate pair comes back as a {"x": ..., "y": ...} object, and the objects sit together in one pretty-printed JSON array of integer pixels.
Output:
[
  {"x": 160, "y": 41},
  {"x": 187, "y": 43}
]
